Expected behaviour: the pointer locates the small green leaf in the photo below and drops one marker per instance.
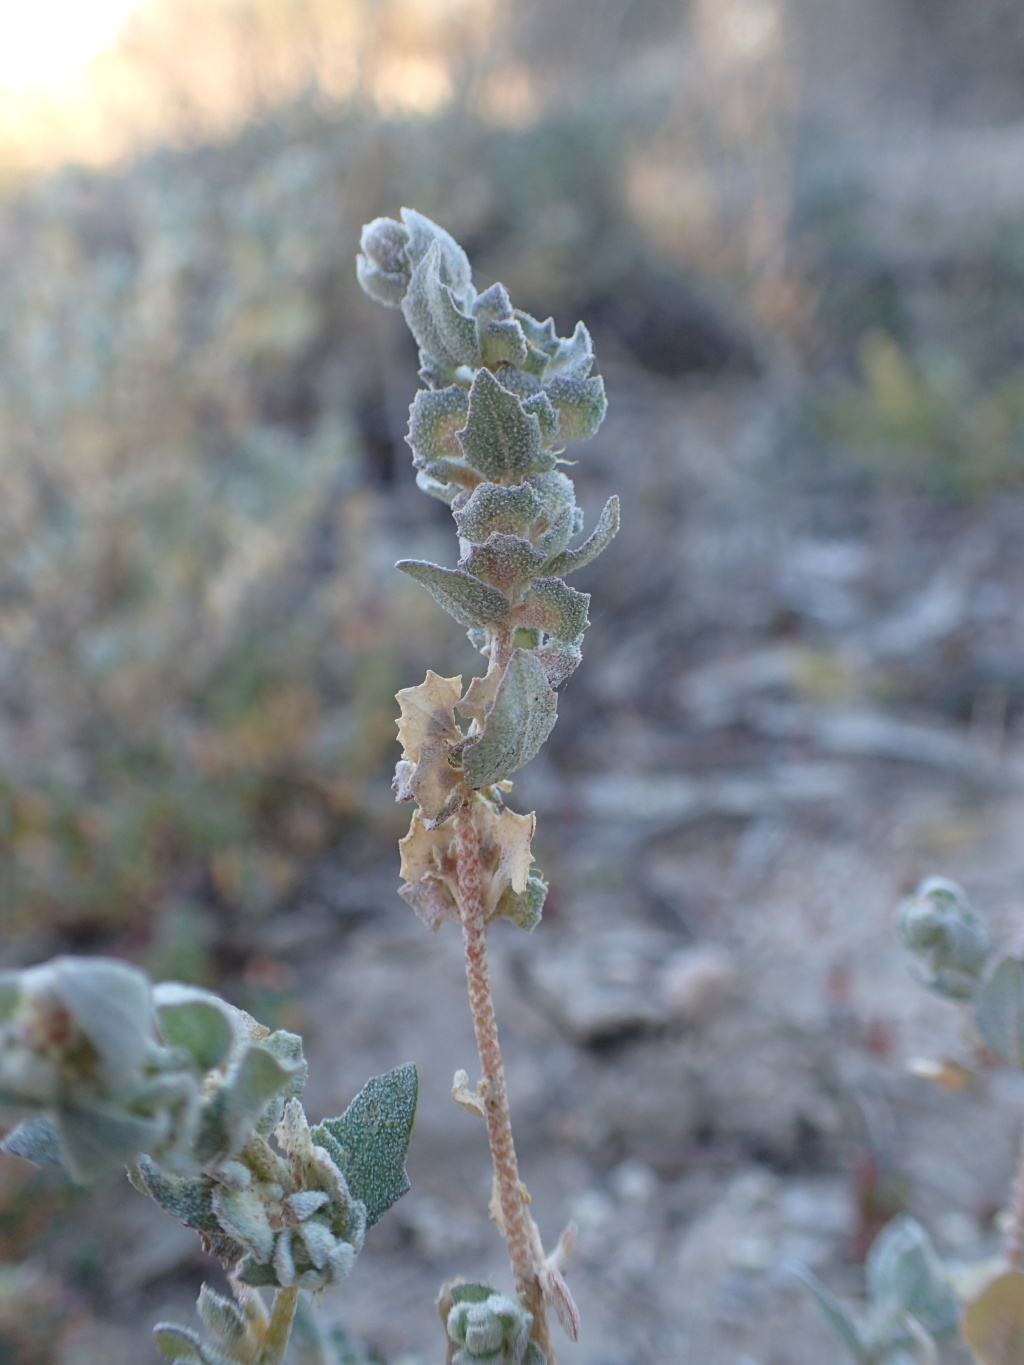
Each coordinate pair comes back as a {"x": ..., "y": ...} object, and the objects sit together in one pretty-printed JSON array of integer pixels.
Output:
[
  {"x": 999, "y": 1004},
  {"x": 993, "y": 1323},
  {"x": 177, "y": 1343},
  {"x": 195, "y": 1021},
  {"x": 557, "y": 520},
  {"x": 905, "y": 1277},
  {"x": 188, "y": 1200},
  {"x": 371, "y": 1138},
  {"x": 454, "y": 267},
  {"x": 573, "y": 358},
  {"x": 523, "y": 909},
  {"x": 581, "y": 405},
  {"x": 599, "y": 539},
  {"x": 112, "y": 1004},
  {"x": 230, "y": 1115},
  {"x": 434, "y": 418},
  {"x": 491, "y": 508},
  {"x": 499, "y": 439},
  {"x": 555, "y": 608},
  {"x": 220, "y": 1315},
  {"x": 34, "y": 1140},
  {"x": 517, "y": 724},
  {"x": 243, "y": 1216},
  {"x": 470, "y": 601},
  {"x": 539, "y": 404},
  {"x": 505, "y": 562},
  {"x": 844, "y": 1329},
  {"x": 559, "y": 661},
  {"x": 445, "y": 333}
]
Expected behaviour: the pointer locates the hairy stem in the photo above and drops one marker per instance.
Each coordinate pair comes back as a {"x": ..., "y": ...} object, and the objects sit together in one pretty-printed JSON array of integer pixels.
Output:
[
  {"x": 279, "y": 1329},
  {"x": 1014, "y": 1246},
  {"x": 519, "y": 1230}
]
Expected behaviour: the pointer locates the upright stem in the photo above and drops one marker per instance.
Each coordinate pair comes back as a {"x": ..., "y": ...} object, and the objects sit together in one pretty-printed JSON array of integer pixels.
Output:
[
  {"x": 279, "y": 1329},
  {"x": 520, "y": 1233},
  {"x": 1015, "y": 1217}
]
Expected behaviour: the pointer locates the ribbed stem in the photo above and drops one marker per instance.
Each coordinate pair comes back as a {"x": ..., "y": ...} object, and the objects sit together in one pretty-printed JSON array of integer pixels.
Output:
[{"x": 520, "y": 1233}]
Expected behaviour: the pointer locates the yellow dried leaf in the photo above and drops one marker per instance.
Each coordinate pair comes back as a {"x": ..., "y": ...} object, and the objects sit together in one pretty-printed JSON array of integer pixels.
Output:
[
  {"x": 993, "y": 1323},
  {"x": 479, "y": 697},
  {"x": 428, "y": 852},
  {"x": 504, "y": 849},
  {"x": 426, "y": 718}
]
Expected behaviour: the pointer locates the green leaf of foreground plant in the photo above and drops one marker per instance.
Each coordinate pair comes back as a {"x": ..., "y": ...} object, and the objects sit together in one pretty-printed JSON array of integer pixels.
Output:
[
  {"x": 470, "y": 601},
  {"x": 993, "y": 1324},
  {"x": 369, "y": 1141},
  {"x": 195, "y": 1021},
  {"x": 519, "y": 721},
  {"x": 499, "y": 439},
  {"x": 512, "y": 511},
  {"x": 581, "y": 405},
  {"x": 555, "y": 608},
  {"x": 999, "y": 1005},
  {"x": 905, "y": 1276},
  {"x": 600, "y": 538},
  {"x": 231, "y": 1114},
  {"x": 447, "y": 335}
]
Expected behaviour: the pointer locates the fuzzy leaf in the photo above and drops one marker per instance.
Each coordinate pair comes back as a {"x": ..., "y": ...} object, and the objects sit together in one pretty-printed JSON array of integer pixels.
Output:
[
  {"x": 843, "y": 1327},
  {"x": 518, "y": 723},
  {"x": 511, "y": 511},
  {"x": 189, "y": 1201},
  {"x": 993, "y": 1323},
  {"x": 559, "y": 661},
  {"x": 557, "y": 522},
  {"x": 573, "y": 358},
  {"x": 471, "y": 602},
  {"x": 523, "y": 909},
  {"x": 445, "y": 333},
  {"x": 229, "y": 1117},
  {"x": 905, "y": 1276},
  {"x": 34, "y": 1140},
  {"x": 435, "y": 417},
  {"x": 581, "y": 406},
  {"x": 177, "y": 1343},
  {"x": 505, "y": 562},
  {"x": 999, "y": 1004},
  {"x": 243, "y": 1216},
  {"x": 599, "y": 539},
  {"x": 454, "y": 267},
  {"x": 94, "y": 1143},
  {"x": 220, "y": 1316},
  {"x": 499, "y": 439},
  {"x": 555, "y": 608},
  {"x": 373, "y": 1138},
  {"x": 195, "y": 1021},
  {"x": 501, "y": 338},
  {"x": 431, "y": 901},
  {"x": 112, "y": 1004}
]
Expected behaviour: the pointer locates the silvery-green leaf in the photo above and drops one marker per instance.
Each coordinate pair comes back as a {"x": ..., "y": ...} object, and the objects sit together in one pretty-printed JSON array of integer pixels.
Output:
[
  {"x": 490, "y": 508},
  {"x": 999, "y": 1005},
  {"x": 177, "y": 1343},
  {"x": 283, "y": 1259},
  {"x": 437, "y": 488},
  {"x": 256, "y": 1274},
  {"x": 572, "y": 358},
  {"x": 599, "y": 539},
  {"x": 905, "y": 1276},
  {"x": 502, "y": 343},
  {"x": 306, "y": 1202},
  {"x": 383, "y": 266},
  {"x": 523, "y": 909},
  {"x": 319, "y": 1241},
  {"x": 505, "y": 562},
  {"x": 454, "y": 264},
  {"x": 844, "y": 1329},
  {"x": 539, "y": 405},
  {"x": 541, "y": 335},
  {"x": 243, "y": 1216},
  {"x": 499, "y": 439},
  {"x": 34, "y": 1140},
  {"x": 581, "y": 405},
  {"x": 557, "y": 520},
  {"x": 470, "y": 601},
  {"x": 938, "y": 926},
  {"x": 287, "y": 1048},
  {"x": 493, "y": 305},
  {"x": 95, "y": 1143},
  {"x": 220, "y": 1315},
  {"x": 445, "y": 333},
  {"x": 371, "y": 1138},
  {"x": 112, "y": 1004},
  {"x": 519, "y": 721},
  {"x": 188, "y": 1200},
  {"x": 556, "y": 609},
  {"x": 436, "y": 415},
  {"x": 195, "y": 1021},
  {"x": 559, "y": 660}
]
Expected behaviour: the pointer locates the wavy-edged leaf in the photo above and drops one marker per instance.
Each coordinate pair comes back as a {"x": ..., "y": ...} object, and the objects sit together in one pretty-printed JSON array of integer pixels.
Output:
[
  {"x": 372, "y": 1138},
  {"x": 470, "y": 601},
  {"x": 581, "y": 405},
  {"x": 499, "y": 439},
  {"x": 445, "y": 333},
  {"x": 454, "y": 267},
  {"x": 573, "y": 357},
  {"x": 435, "y": 416},
  {"x": 221, "y": 1315},
  {"x": 187, "y": 1200},
  {"x": 490, "y": 508},
  {"x": 557, "y": 521},
  {"x": 555, "y": 608},
  {"x": 999, "y": 1008},
  {"x": 599, "y": 539},
  {"x": 505, "y": 562},
  {"x": 516, "y": 726}
]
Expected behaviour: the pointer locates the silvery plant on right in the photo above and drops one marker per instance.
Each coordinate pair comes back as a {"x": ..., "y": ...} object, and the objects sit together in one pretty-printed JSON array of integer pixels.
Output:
[
  {"x": 914, "y": 1302},
  {"x": 100, "y": 1070}
]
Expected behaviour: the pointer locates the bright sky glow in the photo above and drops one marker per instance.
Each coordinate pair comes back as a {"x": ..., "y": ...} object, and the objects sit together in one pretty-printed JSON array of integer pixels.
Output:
[{"x": 44, "y": 42}]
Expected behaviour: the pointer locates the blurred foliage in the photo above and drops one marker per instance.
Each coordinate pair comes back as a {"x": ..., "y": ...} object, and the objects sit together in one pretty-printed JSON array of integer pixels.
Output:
[{"x": 929, "y": 424}]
